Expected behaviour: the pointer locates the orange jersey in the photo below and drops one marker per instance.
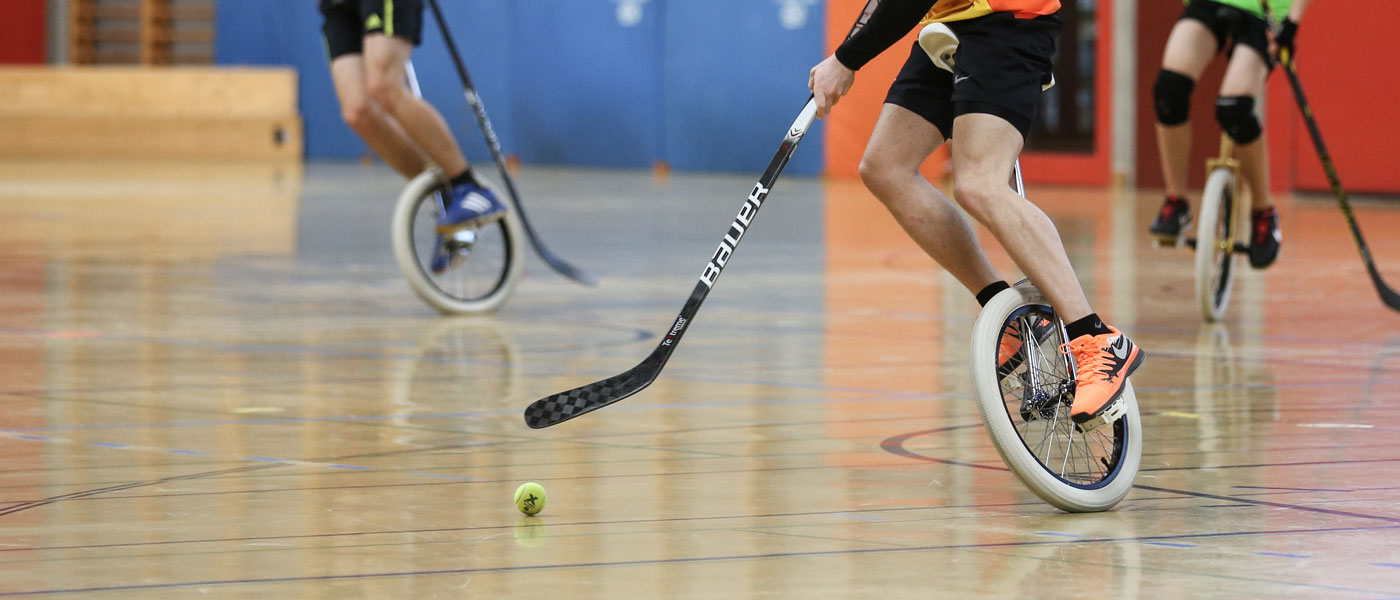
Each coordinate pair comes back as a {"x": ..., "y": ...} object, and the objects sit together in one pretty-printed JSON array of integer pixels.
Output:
[{"x": 944, "y": 11}]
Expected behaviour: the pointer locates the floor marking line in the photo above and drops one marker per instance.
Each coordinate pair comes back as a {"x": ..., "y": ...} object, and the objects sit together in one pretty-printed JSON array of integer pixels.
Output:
[
  {"x": 627, "y": 563},
  {"x": 895, "y": 445}
]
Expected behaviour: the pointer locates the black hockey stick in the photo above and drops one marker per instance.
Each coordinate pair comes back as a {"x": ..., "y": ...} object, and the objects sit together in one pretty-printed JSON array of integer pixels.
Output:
[
  {"x": 1388, "y": 295},
  {"x": 557, "y": 408},
  {"x": 554, "y": 262}
]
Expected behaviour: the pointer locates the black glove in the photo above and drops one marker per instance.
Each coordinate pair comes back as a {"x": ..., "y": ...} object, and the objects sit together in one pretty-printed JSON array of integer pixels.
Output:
[{"x": 1284, "y": 40}]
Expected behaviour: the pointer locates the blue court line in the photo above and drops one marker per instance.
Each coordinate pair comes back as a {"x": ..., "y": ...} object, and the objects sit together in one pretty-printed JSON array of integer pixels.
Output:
[
  {"x": 109, "y": 445},
  {"x": 266, "y": 459},
  {"x": 1283, "y": 555},
  {"x": 1172, "y": 544},
  {"x": 456, "y": 477},
  {"x": 38, "y": 438},
  {"x": 1396, "y": 565},
  {"x": 354, "y": 467},
  {"x": 1057, "y": 534},
  {"x": 179, "y": 451}
]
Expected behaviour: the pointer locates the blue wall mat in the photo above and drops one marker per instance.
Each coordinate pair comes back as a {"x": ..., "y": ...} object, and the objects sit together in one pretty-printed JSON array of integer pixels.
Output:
[
  {"x": 480, "y": 28},
  {"x": 735, "y": 78},
  {"x": 587, "y": 85},
  {"x": 281, "y": 32},
  {"x": 702, "y": 84},
  {"x": 277, "y": 32}
]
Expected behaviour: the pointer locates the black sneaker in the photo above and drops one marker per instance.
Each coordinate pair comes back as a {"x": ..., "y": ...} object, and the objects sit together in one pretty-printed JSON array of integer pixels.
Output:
[
  {"x": 1172, "y": 220},
  {"x": 1264, "y": 244}
]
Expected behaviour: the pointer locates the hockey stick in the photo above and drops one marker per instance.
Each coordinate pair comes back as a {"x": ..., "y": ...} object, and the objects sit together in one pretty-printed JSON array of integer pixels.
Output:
[
  {"x": 554, "y": 262},
  {"x": 1388, "y": 295},
  {"x": 557, "y": 408}
]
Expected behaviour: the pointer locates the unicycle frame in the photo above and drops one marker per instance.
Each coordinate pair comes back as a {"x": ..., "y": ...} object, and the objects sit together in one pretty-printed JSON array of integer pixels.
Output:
[
  {"x": 1226, "y": 160},
  {"x": 1215, "y": 257}
]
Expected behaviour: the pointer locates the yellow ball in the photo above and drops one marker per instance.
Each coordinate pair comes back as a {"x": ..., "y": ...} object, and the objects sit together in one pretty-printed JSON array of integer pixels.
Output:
[{"x": 529, "y": 498}]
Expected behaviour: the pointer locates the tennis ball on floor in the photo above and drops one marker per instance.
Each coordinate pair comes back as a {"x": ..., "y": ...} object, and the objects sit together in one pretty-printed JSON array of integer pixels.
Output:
[{"x": 529, "y": 498}]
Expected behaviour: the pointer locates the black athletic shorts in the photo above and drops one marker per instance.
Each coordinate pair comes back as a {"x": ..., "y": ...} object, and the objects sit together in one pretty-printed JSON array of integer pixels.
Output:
[
  {"x": 1001, "y": 64},
  {"x": 1231, "y": 27},
  {"x": 347, "y": 22}
]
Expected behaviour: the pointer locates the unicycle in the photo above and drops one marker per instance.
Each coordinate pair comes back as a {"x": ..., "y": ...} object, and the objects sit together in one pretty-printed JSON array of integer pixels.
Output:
[
  {"x": 1025, "y": 403},
  {"x": 1224, "y": 215},
  {"x": 485, "y": 261},
  {"x": 1025, "y": 406}
]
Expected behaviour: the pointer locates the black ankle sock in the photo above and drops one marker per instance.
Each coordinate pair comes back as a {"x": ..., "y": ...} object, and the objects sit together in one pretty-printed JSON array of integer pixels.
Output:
[
  {"x": 985, "y": 296},
  {"x": 1090, "y": 325},
  {"x": 464, "y": 177}
]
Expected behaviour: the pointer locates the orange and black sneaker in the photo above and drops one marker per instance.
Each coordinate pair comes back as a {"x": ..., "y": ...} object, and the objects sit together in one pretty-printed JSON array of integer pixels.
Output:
[
  {"x": 1009, "y": 355},
  {"x": 1102, "y": 365}
]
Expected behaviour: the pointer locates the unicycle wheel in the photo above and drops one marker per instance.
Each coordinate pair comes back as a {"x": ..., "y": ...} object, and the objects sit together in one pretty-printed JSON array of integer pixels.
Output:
[
  {"x": 485, "y": 262},
  {"x": 1216, "y": 250},
  {"x": 1026, "y": 409}
]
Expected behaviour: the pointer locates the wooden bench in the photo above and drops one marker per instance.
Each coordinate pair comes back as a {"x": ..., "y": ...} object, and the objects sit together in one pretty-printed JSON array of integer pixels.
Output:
[{"x": 149, "y": 112}]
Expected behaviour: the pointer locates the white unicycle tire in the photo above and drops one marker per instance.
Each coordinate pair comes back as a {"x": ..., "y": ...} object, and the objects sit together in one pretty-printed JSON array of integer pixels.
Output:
[
  {"x": 1078, "y": 480},
  {"x": 1216, "y": 228},
  {"x": 479, "y": 283}
]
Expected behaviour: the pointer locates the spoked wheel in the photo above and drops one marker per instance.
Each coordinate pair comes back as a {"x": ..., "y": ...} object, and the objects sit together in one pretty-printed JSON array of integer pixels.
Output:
[
  {"x": 1216, "y": 252},
  {"x": 485, "y": 261},
  {"x": 1025, "y": 403}
]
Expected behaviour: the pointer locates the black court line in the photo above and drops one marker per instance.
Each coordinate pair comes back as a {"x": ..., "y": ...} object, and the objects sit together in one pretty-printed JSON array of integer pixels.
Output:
[
  {"x": 711, "y": 559},
  {"x": 509, "y": 527},
  {"x": 97, "y": 493},
  {"x": 895, "y": 445}
]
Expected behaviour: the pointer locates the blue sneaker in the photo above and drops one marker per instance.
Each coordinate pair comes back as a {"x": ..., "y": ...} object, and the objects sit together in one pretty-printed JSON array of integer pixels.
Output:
[
  {"x": 471, "y": 206},
  {"x": 450, "y": 249}
]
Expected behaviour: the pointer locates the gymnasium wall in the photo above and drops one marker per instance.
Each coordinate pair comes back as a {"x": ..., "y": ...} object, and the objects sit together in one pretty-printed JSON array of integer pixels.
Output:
[
  {"x": 709, "y": 86},
  {"x": 22, "y": 32},
  {"x": 1347, "y": 68}
]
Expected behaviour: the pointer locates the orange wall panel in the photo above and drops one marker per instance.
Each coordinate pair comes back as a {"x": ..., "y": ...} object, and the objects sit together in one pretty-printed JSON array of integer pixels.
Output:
[{"x": 848, "y": 127}]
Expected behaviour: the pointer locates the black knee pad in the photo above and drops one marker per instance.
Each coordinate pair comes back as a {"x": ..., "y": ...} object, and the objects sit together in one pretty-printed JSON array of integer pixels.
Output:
[
  {"x": 1173, "y": 97},
  {"x": 1236, "y": 117}
]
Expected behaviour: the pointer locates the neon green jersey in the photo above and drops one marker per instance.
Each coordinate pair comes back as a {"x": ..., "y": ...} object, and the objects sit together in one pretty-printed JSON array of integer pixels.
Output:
[{"x": 1280, "y": 7}]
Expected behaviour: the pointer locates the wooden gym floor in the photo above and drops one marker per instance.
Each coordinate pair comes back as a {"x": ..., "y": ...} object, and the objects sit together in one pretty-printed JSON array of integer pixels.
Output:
[{"x": 216, "y": 383}]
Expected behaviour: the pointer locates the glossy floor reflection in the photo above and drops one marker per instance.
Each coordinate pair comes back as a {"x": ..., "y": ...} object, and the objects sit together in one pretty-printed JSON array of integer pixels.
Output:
[{"x": 216, "y": 382}]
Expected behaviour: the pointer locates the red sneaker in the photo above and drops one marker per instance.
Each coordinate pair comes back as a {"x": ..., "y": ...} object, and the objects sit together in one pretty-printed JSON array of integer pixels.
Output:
[{"x": 1102, "y": 365}]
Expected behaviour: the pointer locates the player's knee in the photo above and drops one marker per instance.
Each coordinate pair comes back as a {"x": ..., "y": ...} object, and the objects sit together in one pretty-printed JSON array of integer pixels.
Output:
[
  {"x": 357, "y": 114},
  {"x": 1172, "y": 97},
  {"x": 974, "y": 196},
  {"x": 1237, "y": 118},
  {"x": 385, "y": 91},
  {"x": 874, "y": 173}
]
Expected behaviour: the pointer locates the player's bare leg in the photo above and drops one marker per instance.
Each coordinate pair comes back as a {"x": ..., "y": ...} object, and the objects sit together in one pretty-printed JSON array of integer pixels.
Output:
[
  {"x": 1190, "y": 47},
  {"x": 385, "y": 57},
  {"x": 890, "y": 169},
  {"x": 380, "y": 130},
  {"x": 1245, "y": 76},
  {"x": 1238, "y": 115},
  {"x": 983, "y": 158}
]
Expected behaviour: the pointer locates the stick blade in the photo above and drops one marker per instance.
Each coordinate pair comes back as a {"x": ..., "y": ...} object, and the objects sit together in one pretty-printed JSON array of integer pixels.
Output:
[
  {"x": 557, "y": 408},
  {"x": 569, "y": 271}
]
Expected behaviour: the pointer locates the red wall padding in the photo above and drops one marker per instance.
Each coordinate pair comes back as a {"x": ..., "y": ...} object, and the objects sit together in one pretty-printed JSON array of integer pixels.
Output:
[
  {"x": 22, "y": 32},
  {"x": 1346, "y": 60}
]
